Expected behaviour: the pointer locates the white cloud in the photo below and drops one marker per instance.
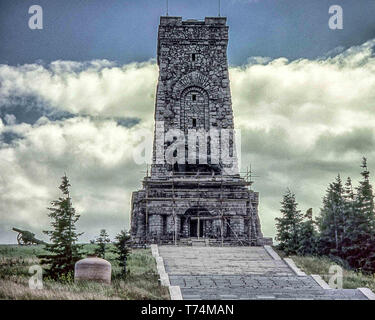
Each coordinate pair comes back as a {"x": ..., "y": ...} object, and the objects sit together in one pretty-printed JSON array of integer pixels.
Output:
[
  {"x": 96, "y": 88},
  {"x": 96, "y": 157},
  {"x": 10, "y": 119}
]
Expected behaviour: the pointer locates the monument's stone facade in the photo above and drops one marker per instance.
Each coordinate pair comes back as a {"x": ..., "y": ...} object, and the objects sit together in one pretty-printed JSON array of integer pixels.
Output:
[{"x": 194, "y": 198}]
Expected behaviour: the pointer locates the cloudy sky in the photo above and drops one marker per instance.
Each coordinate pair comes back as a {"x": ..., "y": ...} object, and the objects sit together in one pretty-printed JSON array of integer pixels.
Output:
[{"x": 75, "y": 95}]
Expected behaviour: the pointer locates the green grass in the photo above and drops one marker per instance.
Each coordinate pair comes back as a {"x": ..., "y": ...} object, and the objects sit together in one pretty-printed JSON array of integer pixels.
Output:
[
  {"x": 321, "y": 265},
  {"x": 141, "y": 282}
]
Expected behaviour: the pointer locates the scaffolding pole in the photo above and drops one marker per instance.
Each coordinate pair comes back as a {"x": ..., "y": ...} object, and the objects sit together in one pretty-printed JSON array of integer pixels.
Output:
[
  {"x": 221, "y": 212},
  {"x": 146, "y": 218},
  {"x": 198, "y": 223},
  {"x": 174, "y": 215}
]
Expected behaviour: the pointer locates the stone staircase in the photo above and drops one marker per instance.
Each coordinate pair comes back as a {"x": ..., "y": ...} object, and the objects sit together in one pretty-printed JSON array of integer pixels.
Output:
[
  {"x": 212, "y": 242},
  {"x": 217, "y": 273},
  {"x": 258, "y": 287}
]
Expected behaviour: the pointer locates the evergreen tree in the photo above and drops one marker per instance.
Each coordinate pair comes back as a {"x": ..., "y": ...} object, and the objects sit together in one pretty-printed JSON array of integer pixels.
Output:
[
  {"x": 360, "y": 242},
  {"x": 288, "y": 226},
  {"x": 349, "y": 206},
  {"x": 102, "y": 242},
  {"x": 349, "y": 213},
  {"x": 307, "y": 235},
  {"x": 365, "y": 200},
  {"x": 331, "y": 220},
  {"x": 122, "y": 249},
  {"x": 64, "y": 252}
]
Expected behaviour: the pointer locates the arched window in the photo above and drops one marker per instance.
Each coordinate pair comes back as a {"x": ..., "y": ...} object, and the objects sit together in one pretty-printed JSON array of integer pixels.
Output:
[{"x": 194, "y": 109}]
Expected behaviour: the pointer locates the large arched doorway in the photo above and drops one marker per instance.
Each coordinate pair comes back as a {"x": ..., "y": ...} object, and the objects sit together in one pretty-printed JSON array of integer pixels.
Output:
[{"x": 196, "y": 223}]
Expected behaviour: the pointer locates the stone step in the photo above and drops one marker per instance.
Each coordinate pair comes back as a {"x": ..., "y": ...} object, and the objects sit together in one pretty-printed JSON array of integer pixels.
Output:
[
  {"x": 237, "y": 294},
  {"x": 199, "y": 242},
  {"x": 219, "y": 273},
  {"x": 250, "y": 282},
  {"x": 259, "y": 287}
]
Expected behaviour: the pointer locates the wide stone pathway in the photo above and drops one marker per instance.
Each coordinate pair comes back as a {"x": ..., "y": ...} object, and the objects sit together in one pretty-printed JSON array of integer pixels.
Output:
[{"x": 241, "y": 273}]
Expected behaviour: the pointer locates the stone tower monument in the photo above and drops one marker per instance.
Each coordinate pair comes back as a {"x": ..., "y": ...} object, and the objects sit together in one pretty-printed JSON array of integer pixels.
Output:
[{"x": 194, "y": 191}]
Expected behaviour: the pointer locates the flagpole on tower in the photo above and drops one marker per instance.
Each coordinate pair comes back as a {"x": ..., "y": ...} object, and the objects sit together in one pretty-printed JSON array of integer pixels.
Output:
[
  {"x": 167, "y": 7},
  {"x": 219, "y": 7}
]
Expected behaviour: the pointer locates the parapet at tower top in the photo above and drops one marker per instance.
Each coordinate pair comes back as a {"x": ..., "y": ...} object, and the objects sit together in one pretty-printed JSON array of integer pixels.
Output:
[{"x": 177, "y": 21}]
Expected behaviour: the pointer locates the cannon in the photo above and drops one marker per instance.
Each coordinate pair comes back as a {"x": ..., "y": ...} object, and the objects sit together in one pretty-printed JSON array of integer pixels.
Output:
[{"x": 26, "y": 237}]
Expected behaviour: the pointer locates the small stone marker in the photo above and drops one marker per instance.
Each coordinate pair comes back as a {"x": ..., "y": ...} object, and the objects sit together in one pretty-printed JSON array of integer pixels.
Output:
[{"x": 93, "y": 269}]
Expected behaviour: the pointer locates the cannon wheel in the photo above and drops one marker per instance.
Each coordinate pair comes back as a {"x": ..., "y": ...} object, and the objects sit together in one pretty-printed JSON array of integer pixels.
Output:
[{"x": 20, "y": 240}]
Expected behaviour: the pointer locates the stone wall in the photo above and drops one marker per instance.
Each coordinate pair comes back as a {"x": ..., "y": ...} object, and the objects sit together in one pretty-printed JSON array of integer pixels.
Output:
[
  {"x": 192, "y": 59},
  {"x": 166, "y": 209}
]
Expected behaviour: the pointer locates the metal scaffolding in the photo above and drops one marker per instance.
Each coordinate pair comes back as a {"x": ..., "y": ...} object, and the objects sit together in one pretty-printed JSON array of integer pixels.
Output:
[{"x": 225, "y": 197}]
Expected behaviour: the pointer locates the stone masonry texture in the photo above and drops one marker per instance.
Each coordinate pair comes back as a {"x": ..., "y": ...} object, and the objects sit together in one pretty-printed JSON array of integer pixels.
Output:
[
  {"x": 248, "y": 273},
  {"x": 180, "y": 201}
]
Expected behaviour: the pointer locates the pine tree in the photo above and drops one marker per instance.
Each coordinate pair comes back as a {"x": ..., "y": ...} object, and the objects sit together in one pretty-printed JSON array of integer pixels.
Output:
[
  {"x": 331, "y": 220},
  {"x": 360, "y": 246},
  {"x": 102, "y": 242},
  {"x": 122, "y": 249},
  {"x": 288, "y": 226},
  {"x": 349, "y": 213},
  {"x": 64, "y": 252},
  {"x": 349, "y": 205},
  {"x": 365, "y": 200},
  {"x": 307, "y": 235}
]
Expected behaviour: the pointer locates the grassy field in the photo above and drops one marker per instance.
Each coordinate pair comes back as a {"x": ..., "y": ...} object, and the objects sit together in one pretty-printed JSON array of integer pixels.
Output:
[
  {"x": 141, "y": 282},
  {"x": 321, "y": 265}
]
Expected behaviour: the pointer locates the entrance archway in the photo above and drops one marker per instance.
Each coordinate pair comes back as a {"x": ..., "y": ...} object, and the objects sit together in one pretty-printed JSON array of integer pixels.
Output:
[{"x": 196, "y": 223}]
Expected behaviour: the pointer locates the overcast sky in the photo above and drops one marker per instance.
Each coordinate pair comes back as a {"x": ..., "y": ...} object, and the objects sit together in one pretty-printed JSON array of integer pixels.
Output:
[{"x": 74, "y": 96}]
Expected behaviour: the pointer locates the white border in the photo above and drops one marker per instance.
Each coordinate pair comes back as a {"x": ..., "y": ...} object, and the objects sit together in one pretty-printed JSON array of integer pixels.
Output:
[{"x": 174, "y": 291}]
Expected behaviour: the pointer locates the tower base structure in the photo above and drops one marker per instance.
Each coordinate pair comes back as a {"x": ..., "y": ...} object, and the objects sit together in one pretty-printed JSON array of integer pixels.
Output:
[{"x": 218, "y": 210}]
